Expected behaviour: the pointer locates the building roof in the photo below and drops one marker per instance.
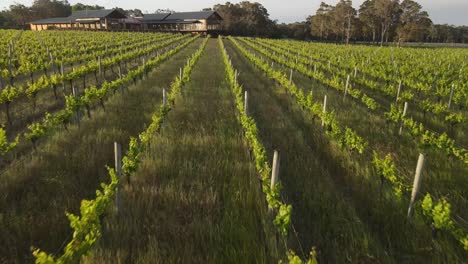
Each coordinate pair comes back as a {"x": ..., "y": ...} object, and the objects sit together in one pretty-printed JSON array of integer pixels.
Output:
[
  {"x": 155, "y": 17},
  {"x": 96, "y": 14},
  {"x": 54, "y": 20},
  {"x": 92, "y": 15},
  {"x": 83, "y": 15},
  {"x": 192, "y": 15}
]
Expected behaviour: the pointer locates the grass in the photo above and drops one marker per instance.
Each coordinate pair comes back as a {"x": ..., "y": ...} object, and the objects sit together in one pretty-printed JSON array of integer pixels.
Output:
[
  {"x": 446, "y": 175},
  {"x": 196, "y": 197},
  {"x": 355, "y": 178},
  {"x": 69, "y": 166},
  {"x": 23, "y": 112},
  {"x": 322, "y": 216}
]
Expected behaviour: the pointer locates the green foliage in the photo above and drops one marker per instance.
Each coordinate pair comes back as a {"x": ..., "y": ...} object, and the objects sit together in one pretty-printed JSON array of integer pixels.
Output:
[
  {"x": 440, "y": 215},
  {"x": 294, "y": 259},
  {"x": 354, "y": 142},
  {"x": 41, "y": 84},
  {"x": 6, "y": 146},
  {"x": 394, "y": 115},
  {"x": 371, "y": 104},
  {"x": 386, "y": 167},
  {"x": 131, "y": 160},
  {"x": 87, "y": 227},
  {"x": 9, "y": 94},
  {"x": 36, "y": 131},
  {"x": 454, "y": 118},
  {"x": 282, "y": 219}
]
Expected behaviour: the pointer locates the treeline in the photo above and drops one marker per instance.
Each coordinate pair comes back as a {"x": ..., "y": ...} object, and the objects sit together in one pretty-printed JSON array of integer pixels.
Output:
[
  {"x": 19, "y": 15},
  {"x": 380, "y": 21},
  {"x": 377, "y": 21}
]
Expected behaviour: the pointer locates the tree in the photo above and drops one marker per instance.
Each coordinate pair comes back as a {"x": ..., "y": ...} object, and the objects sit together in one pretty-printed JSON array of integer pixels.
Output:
[
  {"x": 367, "y": 16},
  {"x": 387, "y": 11},
  {"x": 246, "y": 19},
  {"x": 80, "y": 7},
  {"x": 415, "y": 24},
  {"x": 343, "y": 16},
  {"x": 49, "y": 8},
  {"x": 297, "y": 30},
  {"x": 20, "y": 14},
  {"x": 321, "y": 21},
  {"x": 164, "y": 11}
]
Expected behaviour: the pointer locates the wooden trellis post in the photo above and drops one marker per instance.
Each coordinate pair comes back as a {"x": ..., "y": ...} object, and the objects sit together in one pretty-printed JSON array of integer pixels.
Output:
[
  {"x": 290, "y": 77},
  {"x": 399, "y": 91},
  {"x": 246, "y": 103},
  {"x": 416, "y": 184},
  {"x": 100, "y": 66},
  {"x": 347, "y": 86},
  {"x": 451, "y": 96},
  {"x": 324, "y": 110},
  {"x": 118, "y": 172},
  {"x": 275, "y": 170},
  {"x": 405, "y": 109},
  {"x": 62, "y": 72},
  {"x": 235, "y": 77}
]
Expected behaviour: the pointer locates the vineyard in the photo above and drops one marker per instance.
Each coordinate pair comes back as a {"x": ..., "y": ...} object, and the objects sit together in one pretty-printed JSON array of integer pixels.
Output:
[{"x": 157, "y": 148}]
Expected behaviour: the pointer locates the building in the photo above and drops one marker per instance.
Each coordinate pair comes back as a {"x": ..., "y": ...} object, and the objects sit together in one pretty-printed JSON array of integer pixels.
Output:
[
  {"x": 111, "y": 19},
  {"x": 106, "y": 19},
  {"x": 203, "y": 21}
]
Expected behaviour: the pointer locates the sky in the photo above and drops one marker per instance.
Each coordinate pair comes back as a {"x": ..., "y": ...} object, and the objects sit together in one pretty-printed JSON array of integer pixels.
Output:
[{"x": 453, "y": 12}]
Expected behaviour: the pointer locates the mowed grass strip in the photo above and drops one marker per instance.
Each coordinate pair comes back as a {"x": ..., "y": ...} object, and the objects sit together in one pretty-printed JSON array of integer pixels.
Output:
[
  {"x": 196, "y": 197},
  {"x": 70, "y": 165},
  {"x": 322, "y": 214}
]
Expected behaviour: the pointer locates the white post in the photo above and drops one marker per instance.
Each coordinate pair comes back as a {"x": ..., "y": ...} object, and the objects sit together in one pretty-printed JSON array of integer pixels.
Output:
[
  {"x": 118, "y": 172},
  {"x": 10, "y": 54},
  {"x": 180, "y": 74},
  {"x": 451, "y": 96},
  {"x": 290, "y": 77},
  {"x": 235, "y": 77},
  {"x": 275, "y": 169},
  {"x": 355, "y": 71},
  {"x": 416, "y": 184},
  {"x": 246, "y": 103},
  {"x": 347, "y": 85},
  {"x": 405, "y": 109},
  {"x": 399, "y": 91},
  {"x": 52, "y": 61},
  {"x": 324, "y": 109},
  {"x": 62, "y": 72}
]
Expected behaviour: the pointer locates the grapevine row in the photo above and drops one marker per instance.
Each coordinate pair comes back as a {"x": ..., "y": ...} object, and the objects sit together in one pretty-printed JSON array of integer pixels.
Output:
[
  {"x": 427, "y": 137},
  {"x": 91, "y": 96},
  {"x": 87, "y": 227},
  {"x": 385, "y": 167}
]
